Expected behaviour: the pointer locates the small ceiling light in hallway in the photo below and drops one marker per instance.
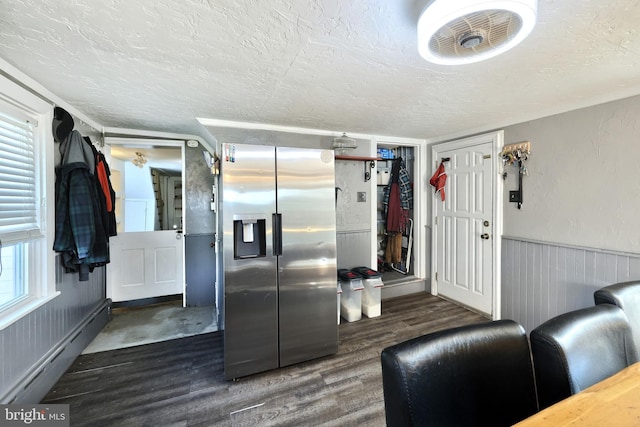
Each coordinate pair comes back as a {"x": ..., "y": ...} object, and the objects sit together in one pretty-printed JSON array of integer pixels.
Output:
[
  {"x": 139, "y": 160},
  {"x": 465, "y": 31}
]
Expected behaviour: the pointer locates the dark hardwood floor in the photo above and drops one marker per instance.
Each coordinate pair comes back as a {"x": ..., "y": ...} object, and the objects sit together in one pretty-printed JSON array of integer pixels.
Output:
[{"x": 180, "y": 382}]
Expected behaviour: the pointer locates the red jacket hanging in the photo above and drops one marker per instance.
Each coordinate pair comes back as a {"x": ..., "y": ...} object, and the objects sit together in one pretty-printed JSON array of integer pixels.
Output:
[
  {"x": 398, "y": 198},
  {"x": 439, "y": 179}
]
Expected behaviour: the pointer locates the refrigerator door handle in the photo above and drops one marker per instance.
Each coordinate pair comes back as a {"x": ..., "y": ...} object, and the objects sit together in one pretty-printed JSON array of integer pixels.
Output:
[{"x": 277, "y": 234}]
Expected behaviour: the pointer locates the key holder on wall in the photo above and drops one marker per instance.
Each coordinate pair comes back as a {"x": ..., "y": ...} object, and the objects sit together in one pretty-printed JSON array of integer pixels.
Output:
[{"x": 517, "y": 154}]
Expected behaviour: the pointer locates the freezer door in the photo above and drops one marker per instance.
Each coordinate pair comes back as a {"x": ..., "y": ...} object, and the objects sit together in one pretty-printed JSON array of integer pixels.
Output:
[
  {"x": 307, "y": 266},
  {"x": 250, "y": 285}
]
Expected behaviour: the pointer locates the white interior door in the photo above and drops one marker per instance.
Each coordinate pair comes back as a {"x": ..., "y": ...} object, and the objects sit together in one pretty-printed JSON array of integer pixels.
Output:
[
  {"x": 145, "y": 265},
  {"x": 465, "y": 231}
]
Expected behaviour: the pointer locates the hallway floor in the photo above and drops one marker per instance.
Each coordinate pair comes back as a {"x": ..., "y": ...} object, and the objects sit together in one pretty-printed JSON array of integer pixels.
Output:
[{"x": 132, "y": 326}]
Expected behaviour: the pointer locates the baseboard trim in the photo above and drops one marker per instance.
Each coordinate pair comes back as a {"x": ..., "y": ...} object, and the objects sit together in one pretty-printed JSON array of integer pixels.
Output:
[
  {"x": 43, "y": 375},
  {"x": 401, "y": 289}
]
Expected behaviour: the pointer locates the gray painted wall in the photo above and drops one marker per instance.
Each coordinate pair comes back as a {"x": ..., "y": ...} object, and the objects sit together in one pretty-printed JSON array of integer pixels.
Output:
[
  {"x": 583, "y": 181},
  {"x": 352, "y": 215},
  {"x": 353, "y": 218},
  {"x": 200, "y": 228},
  {"x": 27, "y": 343},
  {"x": 198, "y": 187},
  {"x": 200, "y": 269},
  {"x": 577, "y": 230}
]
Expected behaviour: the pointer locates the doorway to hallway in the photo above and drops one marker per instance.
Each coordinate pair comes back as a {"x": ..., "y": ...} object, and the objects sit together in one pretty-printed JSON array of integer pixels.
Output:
[{"x": 148, "y": 252}]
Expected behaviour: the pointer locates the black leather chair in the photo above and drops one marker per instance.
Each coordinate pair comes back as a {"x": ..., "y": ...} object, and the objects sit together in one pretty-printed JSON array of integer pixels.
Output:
[
  {"x": 578, "y": 349},
  {"x": 625, "y": 295},
  {"x": 475, "y": 375}
]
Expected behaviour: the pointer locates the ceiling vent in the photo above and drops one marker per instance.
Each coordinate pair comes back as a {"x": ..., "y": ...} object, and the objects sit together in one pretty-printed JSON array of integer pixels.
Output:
[{"x": 465, "y": 31}]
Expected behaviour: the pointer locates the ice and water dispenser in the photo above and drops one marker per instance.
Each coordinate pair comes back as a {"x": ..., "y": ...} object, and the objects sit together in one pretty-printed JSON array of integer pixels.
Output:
[{"x": 249, "y": 237}]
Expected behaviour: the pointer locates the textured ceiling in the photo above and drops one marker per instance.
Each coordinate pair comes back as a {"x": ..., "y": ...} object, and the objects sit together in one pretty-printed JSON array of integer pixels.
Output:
[{"x": 325, "y": 64}]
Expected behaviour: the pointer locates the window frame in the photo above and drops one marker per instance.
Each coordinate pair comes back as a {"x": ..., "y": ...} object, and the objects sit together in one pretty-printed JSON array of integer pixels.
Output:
[
  {"x": 20, "y": 254},
  {"x": 40, "y": 269}
]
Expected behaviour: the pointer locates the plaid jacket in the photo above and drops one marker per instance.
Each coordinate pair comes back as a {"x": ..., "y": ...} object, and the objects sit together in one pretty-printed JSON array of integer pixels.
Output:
[
  {"x": 406, "y": 190},
  {"x": 79, "y": 233}
]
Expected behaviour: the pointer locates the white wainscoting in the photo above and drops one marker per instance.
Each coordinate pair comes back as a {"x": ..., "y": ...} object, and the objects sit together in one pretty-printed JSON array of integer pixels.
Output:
[
  {"x": 541, "y": 280},
  {"x": 353, "y": 248},
  {"x": 37, "y": 349}
]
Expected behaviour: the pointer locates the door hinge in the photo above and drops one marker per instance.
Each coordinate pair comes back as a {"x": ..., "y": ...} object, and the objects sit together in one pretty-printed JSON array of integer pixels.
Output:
[
  {"x": 436, "y": 220},
  {"x": 436, "y": 276}
]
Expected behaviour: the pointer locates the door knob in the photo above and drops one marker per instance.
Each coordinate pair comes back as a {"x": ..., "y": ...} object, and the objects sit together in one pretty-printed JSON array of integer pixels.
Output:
[{"x": 484, "y": 236}]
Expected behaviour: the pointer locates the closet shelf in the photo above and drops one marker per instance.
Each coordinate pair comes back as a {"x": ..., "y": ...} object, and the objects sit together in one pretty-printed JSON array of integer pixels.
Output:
[
  {"x": 361, "y": 158},
  {"x": 369, "y": 163}
]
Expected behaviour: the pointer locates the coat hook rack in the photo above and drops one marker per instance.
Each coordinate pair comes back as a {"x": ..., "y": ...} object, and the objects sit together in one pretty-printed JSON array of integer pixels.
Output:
[
  {"x": 516, "y": 153},
  {"x": 512, "y": 153}
]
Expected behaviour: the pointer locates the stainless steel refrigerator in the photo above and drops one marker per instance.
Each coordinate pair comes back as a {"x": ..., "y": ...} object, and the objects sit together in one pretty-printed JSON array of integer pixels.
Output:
[{"x": 279, "y": 250}]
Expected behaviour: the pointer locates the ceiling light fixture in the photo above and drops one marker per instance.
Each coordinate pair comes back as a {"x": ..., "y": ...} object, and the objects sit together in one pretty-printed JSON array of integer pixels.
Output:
[
  {"x": 452, "y": 32},
  {"x": 342, "y": 144},
  {"x": 139, "y": 160},
  {"x": 471, "y": 39}
]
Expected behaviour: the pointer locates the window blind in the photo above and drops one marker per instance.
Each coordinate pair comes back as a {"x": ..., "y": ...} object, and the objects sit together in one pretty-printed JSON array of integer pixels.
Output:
[{"x": 18, "y": 193}]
